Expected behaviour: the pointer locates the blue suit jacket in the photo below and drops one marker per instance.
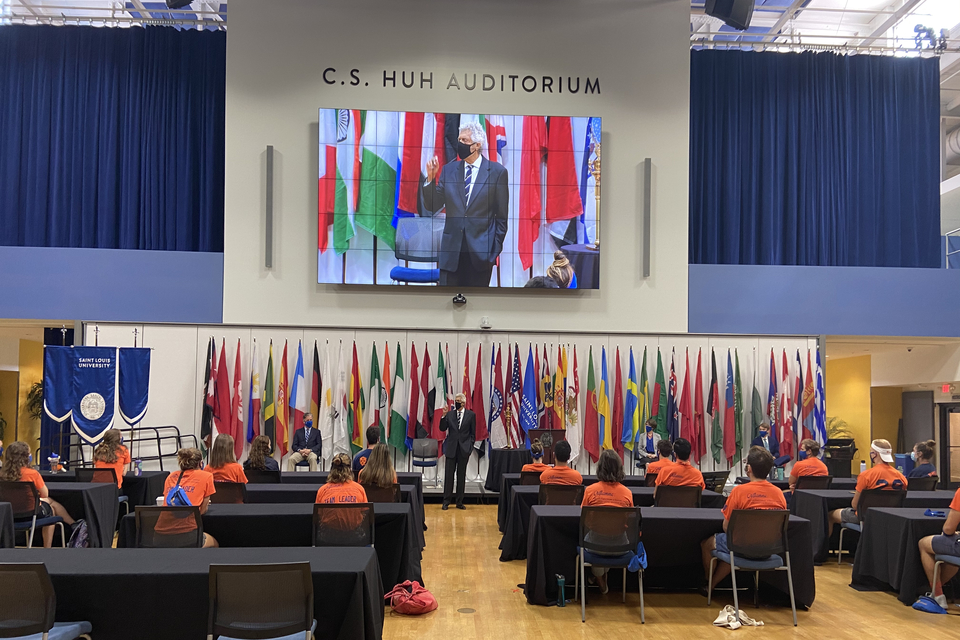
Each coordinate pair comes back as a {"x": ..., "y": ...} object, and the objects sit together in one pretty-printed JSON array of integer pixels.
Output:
[
  {"x": 774, "y": 444},
  {"x": 315, "y": 442}
]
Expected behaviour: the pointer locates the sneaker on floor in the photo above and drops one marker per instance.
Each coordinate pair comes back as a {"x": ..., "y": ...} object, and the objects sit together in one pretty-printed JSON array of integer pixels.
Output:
[
  {"x": 604, "y": 587},
  {"x": 931, "y": 604}
]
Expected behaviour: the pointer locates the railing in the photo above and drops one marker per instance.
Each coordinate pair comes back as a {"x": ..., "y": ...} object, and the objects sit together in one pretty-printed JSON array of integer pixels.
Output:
[
  {"x": 133, "y": 438},
  {"x": 951, "y": 234}
]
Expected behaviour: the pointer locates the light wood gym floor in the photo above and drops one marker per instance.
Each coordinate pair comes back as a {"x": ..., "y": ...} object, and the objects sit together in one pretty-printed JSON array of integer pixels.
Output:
[{"x": 462, "y": 569}]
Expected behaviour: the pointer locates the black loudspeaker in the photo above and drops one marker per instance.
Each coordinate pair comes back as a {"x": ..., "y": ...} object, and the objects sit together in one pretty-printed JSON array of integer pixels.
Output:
[
  {"x": 735, "y": 13},
  {"x": 177, "y": 4}
]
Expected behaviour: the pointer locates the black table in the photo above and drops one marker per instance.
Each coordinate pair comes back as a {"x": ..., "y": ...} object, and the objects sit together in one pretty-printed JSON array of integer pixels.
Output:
[
  {"x": 513, "y": 545},
  {"x": 585, "y": 261},
  {"x": 837, "y": 483},
  {"x": 290, "y": 525},
  {"x": 505, "y": 461},
  {"x": 816, "y": 505},
  {"x": 888, "y": 554},
  {"x": 7, "y": 539},
  {"x": 509, "y": 480},
  {"x": 96, "y": 503},
  {"x": 672, "y": 540},
  {"x": 158, "y": 594},
  {"x": 143, "y": 489}
]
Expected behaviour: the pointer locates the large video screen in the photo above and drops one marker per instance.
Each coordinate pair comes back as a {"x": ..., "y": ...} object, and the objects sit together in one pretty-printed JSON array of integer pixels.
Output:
[{"x": 458, "y": 200}]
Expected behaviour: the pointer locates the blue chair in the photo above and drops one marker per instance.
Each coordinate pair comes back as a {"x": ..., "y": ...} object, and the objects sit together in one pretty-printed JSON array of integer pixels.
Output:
[
  {"x": 418, "y": 240},
  {"x": 237, "y": 594},
  {"x": 28, "y": 606},
  {"x": 609, "y": 537},
  {"x": 939, "y": 560},
  {"x": 755, "y": 538},
  {"x": 868, "y": 500},
  {"x": 25, "y": 501},
  {"x": 426, "y": 453},
  {"x": 103, "y": 476}
]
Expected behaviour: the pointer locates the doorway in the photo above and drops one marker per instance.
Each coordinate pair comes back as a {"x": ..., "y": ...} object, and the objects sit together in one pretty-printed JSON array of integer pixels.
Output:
[{"x": 949, "y": 453}]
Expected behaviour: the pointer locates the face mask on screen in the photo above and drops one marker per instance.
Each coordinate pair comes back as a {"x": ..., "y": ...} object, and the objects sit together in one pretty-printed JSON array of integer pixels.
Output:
[
  {"x": 459, "y": 405},
  {"x": 463, "y": 150}
]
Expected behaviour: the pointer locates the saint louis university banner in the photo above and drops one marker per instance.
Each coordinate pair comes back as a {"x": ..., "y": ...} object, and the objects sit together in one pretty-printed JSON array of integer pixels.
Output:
[{"x": 94, "y": 391}]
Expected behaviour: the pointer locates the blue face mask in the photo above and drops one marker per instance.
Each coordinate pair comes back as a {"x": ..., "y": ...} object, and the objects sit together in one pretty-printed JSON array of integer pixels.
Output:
[
  {"x": 802, "y": 455},
  {"x": 649, "y": 429},
  {"x": 913, "y": 456},
  {"x": 30, "y": 459},
  {"x": 763, "y": 434},
  {"x": 308, "y": 424}
]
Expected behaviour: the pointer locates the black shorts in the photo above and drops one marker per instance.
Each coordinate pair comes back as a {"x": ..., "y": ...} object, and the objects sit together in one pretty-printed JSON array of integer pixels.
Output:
[{"x": 46, "y": 511}]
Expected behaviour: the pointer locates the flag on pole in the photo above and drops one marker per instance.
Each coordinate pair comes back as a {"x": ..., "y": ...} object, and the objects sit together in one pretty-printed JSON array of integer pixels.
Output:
[
  {"x": 253, "y": 420},
  {"x": 807, "y": 413},
  {"x": 341, "y": 425},
  {"x": 786, "y": 417},
  {"x": 209, "y": 397},
  {"x": 820, "y": 407},
  {"x": 631, "y": 417},
  {"x": 643, "y": 401},
  {"x": 316, "y": 388},
  {"x": 738, "y": 410},
  {"x": 413, "y": 410},
  {"x": 545, "y": 392},
  {"x": 236, "y": 407},
  {"x": 427, "y": 382},
  {"x": 798, "y": 432},
  {"x": 387, "y": 404},
  {"x": 516, "y": 388},
  {"x": 528, "y": 402},
  {"x": 658, "y": 407},
  {"x": 398, "y": 408},
  {"x": 591, "y": 427},
  {"x": 673, "y": 413},
  {"x": 326, "y": 418},
  {"x": 700, "y": 447},
  {"x": 604, "y": 411},
  {"x": 686, "y": 408},
  {"x": 499, "y": 423},
  {"x": 439, "y": 399},
  {"x": 465, "y": 385},
  {"x": 221, "y": 407},
  {"x": 451, "y": 391},
  {"x": 356, "y": 404},
  {"x": 729, "y": 416},
  {"x": 269, "y": 408},
  {"x": 616, "y": 424},
  {"x": 560, "y": 389},
  {"x": 298, "y": 392},
  {"x": 283, "y": 416},
  {"x": 756, "y": 406},
  {"x": 773, "y": 407},
  {"x": 713, "y": 408},
  {"x": 376, "y": 399},
  {"x": 572, "y": 405},
  {"x": 476, "y": 401}
]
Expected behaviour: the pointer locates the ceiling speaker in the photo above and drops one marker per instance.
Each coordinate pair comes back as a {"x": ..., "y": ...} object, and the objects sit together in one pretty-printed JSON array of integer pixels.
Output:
[{"x": 734, "y": 13}]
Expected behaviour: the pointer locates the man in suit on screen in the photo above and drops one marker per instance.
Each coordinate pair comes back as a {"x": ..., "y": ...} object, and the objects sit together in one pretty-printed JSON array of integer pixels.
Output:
[
  {"x": 461, "y": 427},
  {"x": 475, "y": 194}
]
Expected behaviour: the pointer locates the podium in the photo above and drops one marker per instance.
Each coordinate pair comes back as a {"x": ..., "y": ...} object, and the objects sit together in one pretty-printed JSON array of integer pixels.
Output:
[{"x": 548, "y": 438}]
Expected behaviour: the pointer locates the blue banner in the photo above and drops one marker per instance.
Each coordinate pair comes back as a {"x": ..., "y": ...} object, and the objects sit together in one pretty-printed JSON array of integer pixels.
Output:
[
  {"x": 94, "y": 391},
  {"x": 58, "y": 382},
  {"x": 134, "y": 364}
]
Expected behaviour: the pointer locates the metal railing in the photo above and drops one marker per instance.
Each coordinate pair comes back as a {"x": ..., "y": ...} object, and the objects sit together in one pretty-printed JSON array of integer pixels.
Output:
[
  {"x": 955, "y": 234},
  {"x": 80, "y": 454}
]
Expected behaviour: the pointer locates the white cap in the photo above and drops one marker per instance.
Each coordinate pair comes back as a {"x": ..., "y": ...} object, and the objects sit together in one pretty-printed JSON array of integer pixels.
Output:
[{"x": 885, "y": 454}]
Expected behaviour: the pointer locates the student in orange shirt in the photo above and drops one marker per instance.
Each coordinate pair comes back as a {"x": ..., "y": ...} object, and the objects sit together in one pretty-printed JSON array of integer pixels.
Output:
[
  {"x": 881, "y": 476},
  {"x": 341, "y": 489},
  {"x": 812, "y": 465},
  {"x": 536, "y": 450},
  {"x": 945, "y": 544},
  {"x": 607, "y": 492},
  {"x": 756, "y": 494},
  {"x": 111, "y": 454},
  {"x": 664, "y": 451},
  {"x": 197, "y": 484},
  {"x": 681, "y": 473},
  {"x": 561, "y": 473},
  {"x": 223, "y": 462},
  {"x": 379, "y": 469},
  {"x": 16, "y": 468}
]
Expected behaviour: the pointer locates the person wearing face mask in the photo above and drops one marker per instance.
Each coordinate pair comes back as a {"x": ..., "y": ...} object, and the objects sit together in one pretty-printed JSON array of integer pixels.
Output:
[
  {"x": 307, "y": 445},
  {"x": 647, "y": 451},
  {"x": 461, "y": 427},
  {"x": 768, "y": 440},
  {"x": 922, "y": 455},
  {"x": 474, "y": 192},
  {"x": 882, "y": 475}
]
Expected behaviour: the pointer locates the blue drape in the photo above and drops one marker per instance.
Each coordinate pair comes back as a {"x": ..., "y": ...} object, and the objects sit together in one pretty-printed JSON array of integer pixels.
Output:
[
  {"x": 814, "y": 159},
  {"x": 112, "y": 138}
]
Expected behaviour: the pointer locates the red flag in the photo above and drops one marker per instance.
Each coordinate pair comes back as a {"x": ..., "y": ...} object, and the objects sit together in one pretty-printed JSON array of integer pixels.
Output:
[
  {"x": 786, "y": 418},
  {"x": 316, "y": 386},
  {"x": 686, "y": 410},
  {"x": 807, "y": 401},
  {"x": 729, "y": 415},
  {"x": 236, "y": 408},
  {"x": 283, "y": 411},
  {"x": 426, "y": 407},
  {"x": 499, "y": 421},
  {"x": 466, "y": 384},
  {"x": 410, "y": 153},
  {"x": 477, "y": 401},
  {"x": 533, "y": 148},
  {"x": 563, "y": 183},
  {"x": 414, "y": 412},
  {"x": 591, "y": 422},
  {"x": 355, "y": 399},
  {"x": 516, "y": 393},
  {"x": 617, "y": 432},
  {"x": 221, "y": 407},
  {"x": 327, "y": 191},
  {"x": 699, "y": 430}
]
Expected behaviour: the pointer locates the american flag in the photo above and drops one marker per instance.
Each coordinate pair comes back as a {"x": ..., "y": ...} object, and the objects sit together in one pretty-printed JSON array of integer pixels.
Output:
[{"x": 516, "y": 388}]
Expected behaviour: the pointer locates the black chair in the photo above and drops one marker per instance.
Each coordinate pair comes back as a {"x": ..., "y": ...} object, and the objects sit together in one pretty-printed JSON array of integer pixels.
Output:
[
  {"x": 650, "y": 479},
  {"x": 755, "y": 538},
  {"x": 262, "y": 476},
  {"x": 715, "y": 480},
  {"x": 25, "y": 501},
  {"x": 425, "y": 454},
  {"x": 684, "y": 497},
  {"x": 229, "y": 492},
  {"x": 238, "y": 594},
  {"x": 101, "y": 476},
  {"x": 376, "y": 493},
  {"x": 608, "y": 538},
  {"x": 343, "y": 525},
  {"x": 28, "y": 605},
  {"x": 869, "y": 500},
  {"x": 560, "y": 494},
  {"x": 168, "y": 527},
  {"x": 813, "y": 483},
  {"x": 928, "y": 483},
  {"x": 530, "y": 478}
]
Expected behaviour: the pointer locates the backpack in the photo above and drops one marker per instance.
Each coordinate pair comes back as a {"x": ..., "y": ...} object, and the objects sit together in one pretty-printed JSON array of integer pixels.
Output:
[
  {"x": 411, "y": 599},
  {"x": 79, "y": 538},
  {"x": 177, "y": 497}
]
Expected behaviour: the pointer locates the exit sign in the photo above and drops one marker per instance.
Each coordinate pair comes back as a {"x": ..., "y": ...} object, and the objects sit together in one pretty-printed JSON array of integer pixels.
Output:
[{"x": 945, "y": 388}]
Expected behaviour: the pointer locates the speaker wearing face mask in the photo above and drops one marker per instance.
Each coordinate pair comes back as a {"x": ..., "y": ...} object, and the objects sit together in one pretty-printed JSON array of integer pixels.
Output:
[
  {"x": 461, "y": 427},
  {"x": 307, "y": 445},
  {"x": 474, "y": 192},
  {"x": 768, "y": 440}
]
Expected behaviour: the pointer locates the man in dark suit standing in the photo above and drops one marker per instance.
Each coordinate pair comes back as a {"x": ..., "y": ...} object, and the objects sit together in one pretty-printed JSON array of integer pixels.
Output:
[
  {"x": 307, "y": 445},
  {"x": 768, "y": 441},
  {"x": 461, "y": 427},
  {"x": 475, "y": 194}
]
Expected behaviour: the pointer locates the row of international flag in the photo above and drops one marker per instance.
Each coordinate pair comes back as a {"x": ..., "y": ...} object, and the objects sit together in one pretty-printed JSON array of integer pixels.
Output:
[{"x": 406, "y": 403}]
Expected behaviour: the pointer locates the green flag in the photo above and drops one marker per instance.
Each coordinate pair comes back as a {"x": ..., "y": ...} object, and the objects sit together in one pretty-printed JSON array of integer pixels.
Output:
[
  {"x": 398, "y": 410},
  {"x": 644, "y": 394},
  {"x": 375, "y": 397},
  {"x": 660, "y": 393},
  {"x": 378, "y": 174},
  {"x": 738, "y": 411},
  {"x": 713, "y": 408},
  {"x": 756, "y": 407},
  {"x": 269, "y": 408}
]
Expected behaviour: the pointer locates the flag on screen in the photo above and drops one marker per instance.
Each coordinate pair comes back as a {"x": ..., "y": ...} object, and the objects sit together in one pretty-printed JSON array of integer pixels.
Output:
[
  {"x": 496, "y": 139},
  {"x": 349, "y": 136},
  {"x": 658, "y": 407},
  {"x": 282, "y": 412},
  {"x": 738, "y": 410},
  {"x": 499, "y": 423},
  {"x": 253, "y": 420},
  {"x": 807, "y": 413},
  {"x": 298, "y": 391},
  {"x": 528, "y": 401},
  {"x": 516, "y": 389},
  {"x": 408, "y": 164},
  {"x": 209, "y": 396},
  {"x": 713, "y": 408},
  {"x": 699, "y": 448},
  {"x": 398, "y": 407},
  {"x": 356, "y": 404},
  {"x": 413, "y": 410},
  {"x": 786, "y": 419},
  {"x": 326, "y": 198},
  {"x": 673, "y": 412},
  {"x": 327, "y": 408},
  {"x": 341, "y": 424},
  {"x": 560, "y": 389},
  {"x": 820, "y": 408},
  {"x": 686, "y": 409},
  {"x": 591, "y": 420},
  {"x": 631, "y": 416},
  {"x": 729, "y": 415},
  {"x": 476, "y": 402},
  {"x": 563, "y": 188},
  {"x": 587, "y": 222},
  {"x": 269, "y": 408},
  {"x": 573, "y": 422},
  {"x": 376, "y": 399},
  {"x": 378, "y": 174},
  {"x": 530, "y": 212},
  {"x": 221, "y": 407},
  {"x": 617, "y": 406}
]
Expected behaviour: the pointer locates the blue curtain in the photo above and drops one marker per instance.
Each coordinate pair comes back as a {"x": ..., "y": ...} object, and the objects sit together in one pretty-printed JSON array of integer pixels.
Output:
[
  {"x": 112, "y": 138},
  {"x": 814, "y": 159}
]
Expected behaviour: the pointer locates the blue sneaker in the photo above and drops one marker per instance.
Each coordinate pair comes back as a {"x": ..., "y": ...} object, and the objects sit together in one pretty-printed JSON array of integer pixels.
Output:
[{"x": 929, "y": 604}]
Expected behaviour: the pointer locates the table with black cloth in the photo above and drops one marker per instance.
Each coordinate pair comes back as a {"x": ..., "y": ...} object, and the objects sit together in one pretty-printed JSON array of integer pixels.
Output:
[
  {"x": 505, "y": 461},
  {"x": 816, "y": 505},
  {"x": 94, "y": 502},
  {"x": 307, "y": 493},
  {"x": 159, "y": 594},
  {"x": 7, "y": 539},
  {"x": 291, "y": 525},
  {"x": 143, "y": 489},
  {"x": 671, "y": 538},
  {"x": 585, "y": 261},
  {"x": 513, "y": 545},
  {"x": 888, "y": 555},
  {"x": 509, "y": 480},
  {"x": 837, "y": 483}
]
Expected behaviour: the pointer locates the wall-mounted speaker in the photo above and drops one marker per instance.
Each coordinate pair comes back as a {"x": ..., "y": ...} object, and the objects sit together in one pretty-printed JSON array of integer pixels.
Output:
[
  {"x": 735, "y": 13},
  {"x": 178, "y": 4}
]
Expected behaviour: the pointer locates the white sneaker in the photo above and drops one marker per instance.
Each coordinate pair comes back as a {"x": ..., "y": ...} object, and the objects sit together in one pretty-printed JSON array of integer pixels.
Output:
[{"x": 941, "y": 600}]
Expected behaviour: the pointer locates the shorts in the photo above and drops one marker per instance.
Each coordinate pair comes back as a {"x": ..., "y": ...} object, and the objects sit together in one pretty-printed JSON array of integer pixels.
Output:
[
  {"x": 946, "y": 545},
  {"x": 849, "y": 516},
  {"x": 720, "y": 540},
  {"x": 46, "y": 511}
]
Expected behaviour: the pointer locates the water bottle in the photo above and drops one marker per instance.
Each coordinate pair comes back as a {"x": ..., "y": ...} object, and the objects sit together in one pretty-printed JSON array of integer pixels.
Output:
[
  {"x": 138, "y": 471},
  {"x": 863, "y": 466},
  {"x": 561, "y": 596}
]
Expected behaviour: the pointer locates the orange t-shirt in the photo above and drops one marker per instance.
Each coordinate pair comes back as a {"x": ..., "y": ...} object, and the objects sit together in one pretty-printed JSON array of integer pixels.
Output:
[
  {"x": 607, "y": 494},
  {"x": 123, "y": 459},
  {"x": 808, "y": 467},
  {"x": 230, "y": 472},
  {"x": 348, "y": 492},
  {"x": 659, "y": 465},
  {"x": 955, "y": 503},
  {"x": 681, "y": 474},
  {"x": 535, "y": 466},
  {"x": 758, "y": 494},
  {"x": 561, "y": 475},
  {"x": 881, "y": 476},
  {"x": 29, "y": 474},
  {"x": 196, "y": 483}
]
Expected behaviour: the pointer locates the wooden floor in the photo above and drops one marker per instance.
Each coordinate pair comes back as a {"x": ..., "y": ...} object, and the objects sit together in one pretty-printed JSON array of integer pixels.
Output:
[{"x": 462, "y": 569}]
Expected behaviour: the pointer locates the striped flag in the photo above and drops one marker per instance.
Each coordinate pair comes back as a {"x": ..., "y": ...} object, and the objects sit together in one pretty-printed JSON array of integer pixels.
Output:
[
  {"x": 269, "y": 408},
  {"x": 398, "y": 408},
  {"x": 326, "y": 199},
  {"x": 591, "y": 427},
  {"x": 560, "y": 389},
  {"x": 603, "y": 404},
  {"x": 349, "y": 136},
  {"x": 820, "y": 408},
  {"x": 282, "y": 414},
  {"x": 516, "y": 387},
  {"x": 499, "y": 423},
  {"x": 298, "y": 392},
  {"x": 807, "y": 413},
  {"x": 326, "y": 418},
  {"x": 355, "y": 404},
  {"x": 316, "y": 386},
  {"x": 378, "y": 175},
  {"x": 236, "y": 408},
  {"x": 253, "y": 420}
]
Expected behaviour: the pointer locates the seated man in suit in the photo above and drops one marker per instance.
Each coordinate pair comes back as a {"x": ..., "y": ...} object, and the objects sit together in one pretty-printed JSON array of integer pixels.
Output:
[
  {"x": 768, "y": 441},
  {"x": 307, "y": 445}
]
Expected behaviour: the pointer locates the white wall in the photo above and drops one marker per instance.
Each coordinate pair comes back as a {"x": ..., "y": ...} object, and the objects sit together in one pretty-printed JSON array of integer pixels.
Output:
[{"x": 275, "y": 58}]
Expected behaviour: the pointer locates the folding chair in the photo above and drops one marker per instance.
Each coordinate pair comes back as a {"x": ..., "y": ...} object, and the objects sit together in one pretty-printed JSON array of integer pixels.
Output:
[
  {"x": 102, "y": 476},
  {"x": 168, "y": 527},
  {"x": 608, "y": 538},
  {"x": 755, "y": 538},
  {"x": 813, "y": 483},
  {"x": 238, "y": 594},
  {"x": 684, "y": 497},
  {"x": 426, "y": 453},
  {"x": 343, "y": 525},
  {"x": 229, "y": 492},
  {"x": 650, "y": 479},
  {"x": 529, "y": 478},
  {"x": 922, "y": 484},
  {"x": 262, "y": 476},
  {"x": 560, "y": 494},
  {"x": 25, "y": 501},
  {"x": 28, "y": 605},
  {"x": 376, "y": 493},
  {"x": 869, "y": 500}
]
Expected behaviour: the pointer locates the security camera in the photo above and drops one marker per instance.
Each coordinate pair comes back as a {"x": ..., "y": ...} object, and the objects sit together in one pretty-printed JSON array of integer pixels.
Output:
[
  {"x": 459, "y": 299},
  {"x": 909, "y": 349}
]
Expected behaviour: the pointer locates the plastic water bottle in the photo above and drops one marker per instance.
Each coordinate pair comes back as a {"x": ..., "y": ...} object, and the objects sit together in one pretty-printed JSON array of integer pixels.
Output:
[
  {"x": 561, "y": 596},
  {"x": 863, "y": 466},
  {"x": 138, "y": 471}
]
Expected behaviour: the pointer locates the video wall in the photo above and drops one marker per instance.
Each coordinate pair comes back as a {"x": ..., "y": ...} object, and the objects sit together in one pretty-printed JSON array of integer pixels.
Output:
[{"x": 458, "y": 200}]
